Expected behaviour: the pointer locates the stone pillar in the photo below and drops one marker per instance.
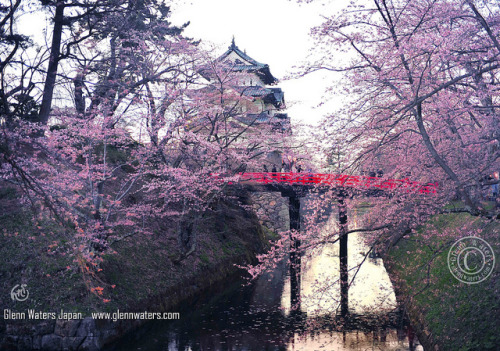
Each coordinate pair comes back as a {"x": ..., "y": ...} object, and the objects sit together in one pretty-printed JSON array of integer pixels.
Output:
[
  {"x": 344, "y": 276},
  {"x": 295, "y": 259},
  {"x": 272, "y": 211}
]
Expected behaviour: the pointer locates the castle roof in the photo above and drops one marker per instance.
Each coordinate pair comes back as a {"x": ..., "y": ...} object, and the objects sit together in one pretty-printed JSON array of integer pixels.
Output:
[
  {"x": 248, "y": 64},
  {"x": 273, "y": 96},
  {"x": 279, "y": 121}
]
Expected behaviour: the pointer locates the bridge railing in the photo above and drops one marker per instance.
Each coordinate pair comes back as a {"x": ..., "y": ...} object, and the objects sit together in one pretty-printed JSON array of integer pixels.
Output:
[{"x": 336, "y": 180}]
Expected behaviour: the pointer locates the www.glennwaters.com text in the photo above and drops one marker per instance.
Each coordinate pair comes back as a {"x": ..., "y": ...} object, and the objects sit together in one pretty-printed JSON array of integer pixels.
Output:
[{"x": 114, "y": 316}]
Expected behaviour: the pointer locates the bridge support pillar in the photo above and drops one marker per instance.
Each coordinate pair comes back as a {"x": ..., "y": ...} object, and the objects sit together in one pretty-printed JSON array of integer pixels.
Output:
[
  {"x": 295, "y": 257},
  {"x": 344, "y": 275}
]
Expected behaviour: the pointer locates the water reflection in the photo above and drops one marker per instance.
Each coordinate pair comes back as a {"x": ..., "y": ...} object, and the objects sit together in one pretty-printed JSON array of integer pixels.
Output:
[
  {"x": 230, "y": 322},
  {"x": 350, "y": 341},
  {"x": 254, "y": 317},
  {"x": 371, "y": 290}
]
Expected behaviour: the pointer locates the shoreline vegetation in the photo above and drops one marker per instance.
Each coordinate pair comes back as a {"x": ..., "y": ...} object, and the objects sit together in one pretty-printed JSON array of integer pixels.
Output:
[
  {"x": 141, "y": 275},
  {"x": 446, "y": 313}
]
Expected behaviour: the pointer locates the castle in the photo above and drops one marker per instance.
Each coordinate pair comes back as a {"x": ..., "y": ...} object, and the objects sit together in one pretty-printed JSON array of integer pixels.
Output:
[
  {"x": 258, "y": 78},
  {"x": 264, "y": 105}
]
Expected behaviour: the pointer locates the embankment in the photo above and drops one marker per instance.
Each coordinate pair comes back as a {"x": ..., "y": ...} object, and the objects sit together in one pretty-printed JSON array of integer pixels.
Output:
[
  {"x": 145, "y": 273},
  {"x": 447, "y": 314}
]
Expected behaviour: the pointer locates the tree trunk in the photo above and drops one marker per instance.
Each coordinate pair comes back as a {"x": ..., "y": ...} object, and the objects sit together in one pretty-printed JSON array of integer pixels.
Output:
[
  {"x": 55, "y": 52},
  {"x": 79, "y": 99},
  {"x": 440, "y": 161}
]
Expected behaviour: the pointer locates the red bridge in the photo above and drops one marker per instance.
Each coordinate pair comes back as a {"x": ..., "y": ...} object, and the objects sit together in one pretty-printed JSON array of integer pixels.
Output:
[{"x": 333, "y": 180}]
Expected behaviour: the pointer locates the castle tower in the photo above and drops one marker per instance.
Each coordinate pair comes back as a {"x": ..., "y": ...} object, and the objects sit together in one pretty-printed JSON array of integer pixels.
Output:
[
  {"x": 263, "y": 104},
  {"x": 256, "y": 85}
]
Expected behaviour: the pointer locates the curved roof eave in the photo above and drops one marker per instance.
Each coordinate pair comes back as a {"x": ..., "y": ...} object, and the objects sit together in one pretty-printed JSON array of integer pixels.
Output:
[{"x": 262, "y": 68}]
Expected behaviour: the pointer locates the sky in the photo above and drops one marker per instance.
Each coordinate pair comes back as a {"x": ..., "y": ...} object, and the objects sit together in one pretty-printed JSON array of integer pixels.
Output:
[{"x": 275, "y": 32}]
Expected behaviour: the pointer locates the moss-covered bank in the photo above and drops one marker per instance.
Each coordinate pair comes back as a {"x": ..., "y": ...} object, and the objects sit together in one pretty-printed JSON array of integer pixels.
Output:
[
  {"x": 446, "y": 313},
  {"x": 144, "y": 274}
]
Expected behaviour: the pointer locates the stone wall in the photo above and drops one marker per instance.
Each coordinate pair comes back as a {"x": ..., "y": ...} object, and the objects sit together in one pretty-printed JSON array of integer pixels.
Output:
[
  {"x": 83, "y": 335},
  {"x": 271, "y": 210}
]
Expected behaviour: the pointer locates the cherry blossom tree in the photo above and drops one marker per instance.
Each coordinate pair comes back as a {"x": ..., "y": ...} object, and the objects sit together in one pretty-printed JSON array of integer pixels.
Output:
[
  {"x": 83, "y": 169},
  {"x": 422, "y": 79},
  {"x": 147, "y": 118}
]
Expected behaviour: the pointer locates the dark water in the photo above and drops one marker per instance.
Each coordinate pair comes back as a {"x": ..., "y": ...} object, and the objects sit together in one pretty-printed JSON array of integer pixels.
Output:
[
  {"x": 237, "y": 317},
  {"x": 224, "y": 320},
  {"x": 249, "y": 318}
]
